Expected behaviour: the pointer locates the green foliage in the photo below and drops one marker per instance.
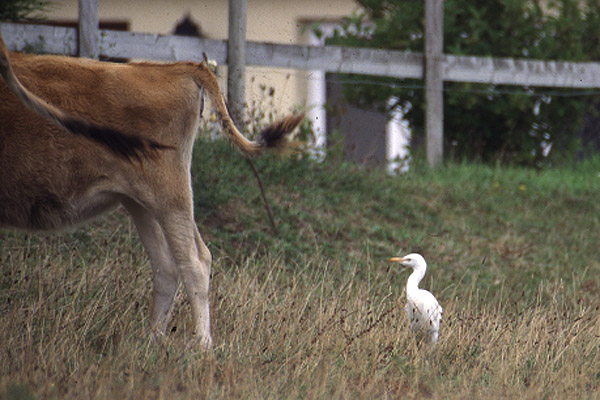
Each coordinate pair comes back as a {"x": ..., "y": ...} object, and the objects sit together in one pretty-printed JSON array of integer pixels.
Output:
[
  {"x": 485, "y": 122},
  {"x": 461, "y": 214},
  {"x": 12, "y": 10}
]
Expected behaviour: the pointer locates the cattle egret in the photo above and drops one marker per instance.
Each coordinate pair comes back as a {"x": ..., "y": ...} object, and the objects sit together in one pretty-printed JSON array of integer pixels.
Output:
[{"x": 422, "y": 309}]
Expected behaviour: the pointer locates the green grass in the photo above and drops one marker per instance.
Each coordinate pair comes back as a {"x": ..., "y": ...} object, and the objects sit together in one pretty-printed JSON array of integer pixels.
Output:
[
  {"x": 316, "y": 311},
  {"x": 465, "y": 219}
]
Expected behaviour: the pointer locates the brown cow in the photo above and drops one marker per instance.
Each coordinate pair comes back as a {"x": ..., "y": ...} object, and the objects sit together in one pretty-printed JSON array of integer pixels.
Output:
[{"x": 97, "y": 134}]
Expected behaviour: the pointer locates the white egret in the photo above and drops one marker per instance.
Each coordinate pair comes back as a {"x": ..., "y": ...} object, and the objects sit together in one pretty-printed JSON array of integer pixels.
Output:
[{"x": 422, "y": 309}]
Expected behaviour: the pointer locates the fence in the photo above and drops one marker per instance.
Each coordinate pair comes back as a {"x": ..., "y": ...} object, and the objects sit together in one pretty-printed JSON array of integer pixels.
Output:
[
  {"x": 378, "y": 62},
  {"x": 399, "y": 64}
]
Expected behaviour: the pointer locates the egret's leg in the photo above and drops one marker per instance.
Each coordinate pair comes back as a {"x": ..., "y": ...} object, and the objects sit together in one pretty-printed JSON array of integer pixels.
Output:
[{"x": 434, "y": 337}]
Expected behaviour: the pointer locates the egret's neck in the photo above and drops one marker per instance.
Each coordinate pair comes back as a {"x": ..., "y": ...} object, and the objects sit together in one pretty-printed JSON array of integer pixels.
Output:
[{"x": 412, "y": 286}]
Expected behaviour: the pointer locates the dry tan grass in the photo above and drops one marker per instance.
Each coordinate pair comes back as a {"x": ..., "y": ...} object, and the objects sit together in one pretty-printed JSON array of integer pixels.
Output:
[{"x": 74, "y": 319}]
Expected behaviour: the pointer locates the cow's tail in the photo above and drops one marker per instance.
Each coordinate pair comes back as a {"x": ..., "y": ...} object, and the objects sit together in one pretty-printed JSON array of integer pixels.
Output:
[{"x": 272, "y": 137}]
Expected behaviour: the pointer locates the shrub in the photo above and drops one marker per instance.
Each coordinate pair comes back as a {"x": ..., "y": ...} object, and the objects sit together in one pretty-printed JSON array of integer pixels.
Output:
[{"x": 482, "y": 121}]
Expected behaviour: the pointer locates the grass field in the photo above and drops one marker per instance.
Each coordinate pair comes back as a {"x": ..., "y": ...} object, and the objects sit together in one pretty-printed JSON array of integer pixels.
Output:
[{"x": 316, "y": 311}]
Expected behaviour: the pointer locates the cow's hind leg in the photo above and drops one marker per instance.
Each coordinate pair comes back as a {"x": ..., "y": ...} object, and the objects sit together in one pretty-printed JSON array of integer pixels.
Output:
[
  {"x": 193, "y": 261},
  {"x": 165, "y": 275}
]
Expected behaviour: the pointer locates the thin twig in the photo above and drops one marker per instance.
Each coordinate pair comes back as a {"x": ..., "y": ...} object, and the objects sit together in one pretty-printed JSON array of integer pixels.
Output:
[{"x": 262, "y": 191}]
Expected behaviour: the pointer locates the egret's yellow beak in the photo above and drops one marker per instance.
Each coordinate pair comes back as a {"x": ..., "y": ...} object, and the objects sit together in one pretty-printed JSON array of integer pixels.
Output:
[{"x": 396, "y": 259}]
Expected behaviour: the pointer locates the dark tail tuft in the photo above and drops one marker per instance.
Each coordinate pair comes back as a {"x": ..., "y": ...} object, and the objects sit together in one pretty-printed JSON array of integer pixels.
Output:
[{"x": 274, "y": 136}]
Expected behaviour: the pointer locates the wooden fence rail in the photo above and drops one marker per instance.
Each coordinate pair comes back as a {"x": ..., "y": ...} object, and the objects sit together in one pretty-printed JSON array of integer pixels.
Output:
[{"x": 393, "y": 63}]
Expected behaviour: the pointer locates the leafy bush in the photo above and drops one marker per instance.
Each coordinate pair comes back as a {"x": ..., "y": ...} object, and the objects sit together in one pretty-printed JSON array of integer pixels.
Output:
[
  {"x": 12, "y": 10},
  {"x": 482, "y": 121}
]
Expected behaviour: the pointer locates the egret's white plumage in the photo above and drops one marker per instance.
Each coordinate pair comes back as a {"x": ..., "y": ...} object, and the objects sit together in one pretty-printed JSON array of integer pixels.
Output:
[{"x": 422, "y": 309}]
